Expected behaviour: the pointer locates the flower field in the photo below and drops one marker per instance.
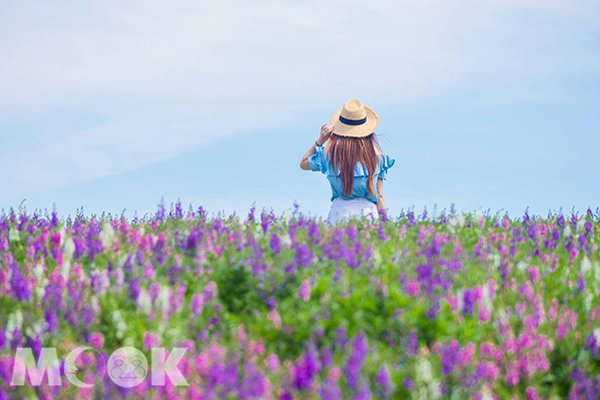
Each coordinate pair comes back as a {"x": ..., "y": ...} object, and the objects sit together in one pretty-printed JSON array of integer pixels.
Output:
[{"x": 268, "y": 306}]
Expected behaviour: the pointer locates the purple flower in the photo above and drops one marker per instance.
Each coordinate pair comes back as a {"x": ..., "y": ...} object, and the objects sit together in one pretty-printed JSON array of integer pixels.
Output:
[
  {"x": 306, "y": 369},
  {"x": 330, "y": 391},
  {"x": 286, "y": 396},
  {"x": 450, "y": 356},
  {"x": 17, "y": 339},
  {"x": 18, "y": 283},
  {"x": 469, "y": 299},
  {"x": 197, "y": 304},
  {"x": 591, "y": 344},
  {"x": 304, "y": 255},
  {"x": 314, "y": 234},
  {"x": 352, "y": 370},
  {"x": 385, "y": 386},
  {"x": 275, "y": 243},
  {"x": 134, "y": 288},
  {"x": 254, "y": 384},
  {"x": 364, "y": 393},
  {"x": 413, "y": 343}
]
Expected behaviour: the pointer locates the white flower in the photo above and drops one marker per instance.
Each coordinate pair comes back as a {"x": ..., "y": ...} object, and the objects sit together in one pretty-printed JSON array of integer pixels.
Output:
[
  {"x": 40, "y": 289},
  {"x": 495, "y": 259},
  {"x": 107, "y": 234},
  {"x": 15, "y": 321},
  {"x": 119, "y": 324},
  {"x": 479, "y": 216},
  {"x": 487, "y": 299},
  {"x": 38, "y": 271},
  {"x": 586, "y": 265},
  {"x": 13, "y": 235},
  {"x": 522, "y": 266},
  {"x": 459, "y": 299},
  {"x": 163, "y": 298},
  {"x": 452, "y": 221},
  {"x": 65, "y": 269},
  {"x": 68, "y": 248},
  {"x": 423, "y": 370},
  {"x": 144, "y": 301},
  {"x": 588, "y": 300},
  {"x": 567, "y": 231},
  {"x": 434, "y": 389},
  {"x": 285, "y": 240},
  {"x": 174, "y": 333},
  {"x": 376, "y": 257},
  {"x": 485, "y": 393}
]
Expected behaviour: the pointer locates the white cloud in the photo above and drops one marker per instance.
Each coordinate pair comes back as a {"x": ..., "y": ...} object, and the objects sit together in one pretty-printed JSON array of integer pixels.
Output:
[{"x": 166, "y": 77}]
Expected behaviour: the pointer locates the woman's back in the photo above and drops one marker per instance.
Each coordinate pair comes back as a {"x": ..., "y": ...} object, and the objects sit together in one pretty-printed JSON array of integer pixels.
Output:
[
  {"x": 321, "y": 161},
  {"x": 348, "y": 154}
]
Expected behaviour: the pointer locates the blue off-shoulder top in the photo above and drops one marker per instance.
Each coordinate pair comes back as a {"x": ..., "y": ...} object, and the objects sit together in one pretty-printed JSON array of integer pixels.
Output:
[{"x": 319, "y": 161}]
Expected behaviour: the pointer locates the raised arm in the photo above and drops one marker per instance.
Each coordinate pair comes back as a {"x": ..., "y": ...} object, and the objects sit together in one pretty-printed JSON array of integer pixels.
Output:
[
  {"x": 325, "y": 133},
  {"x": 380, "y": 201}
]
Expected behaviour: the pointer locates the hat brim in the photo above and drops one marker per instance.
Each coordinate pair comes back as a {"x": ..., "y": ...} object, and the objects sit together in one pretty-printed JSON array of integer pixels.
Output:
[{"x": 362, "y": 130}]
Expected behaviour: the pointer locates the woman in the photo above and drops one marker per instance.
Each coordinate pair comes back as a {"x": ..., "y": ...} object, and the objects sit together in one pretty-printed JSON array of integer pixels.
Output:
[{"x": 347, "y": 152}]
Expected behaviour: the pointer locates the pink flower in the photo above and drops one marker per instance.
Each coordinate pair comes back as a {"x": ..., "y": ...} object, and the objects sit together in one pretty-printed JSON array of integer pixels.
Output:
[
  {"x": 273, "y": 363},
  {"x": 274, "y": 317},
  {"x": 566, "y": 322},
  {"x": 150, "y": 340},
  {"x": 594, "y": 315},
  {"x": 242, "y": 335},
  {"x": 530, "y": 323},
  {"x": 488, "y": 370},
  {"x": 466, "y": 355},
  {"x": 512, "y": 374},
  {"x": 553, "y": 310},
  {"x": 334, "y": 374},
  {"x": 256, "y": 347},
  {"x": 487, "y": 349},
  {"x": 531, "y": 393},
  {"x": 96, "y": 339},
  {"x": 484, "y": 314},
  {"x": 534, "y": 274},
  {"x": 414, "y": 288},
  {"x": 491, "y": 287},
  {"x": 453, "y": 302},
  {"x": 203, "y": 363},
  {"x": 478, "y": 292},
  {"x": 304, "y": 291}
]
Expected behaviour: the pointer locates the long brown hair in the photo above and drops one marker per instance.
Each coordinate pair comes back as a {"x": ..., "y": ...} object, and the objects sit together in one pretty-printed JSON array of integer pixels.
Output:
[{"x": 344, "y": 152}]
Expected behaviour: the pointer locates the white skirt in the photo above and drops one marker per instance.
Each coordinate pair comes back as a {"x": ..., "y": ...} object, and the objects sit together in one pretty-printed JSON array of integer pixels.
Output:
[{"x": 342, "y": 209}]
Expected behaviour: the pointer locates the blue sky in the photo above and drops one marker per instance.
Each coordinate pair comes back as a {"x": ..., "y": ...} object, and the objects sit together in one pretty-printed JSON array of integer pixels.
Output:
[{"x": 111, "y": 106}]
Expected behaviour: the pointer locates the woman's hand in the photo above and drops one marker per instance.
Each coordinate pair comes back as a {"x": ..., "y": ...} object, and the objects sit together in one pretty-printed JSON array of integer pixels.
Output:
[{"x": 325, "y": 133}]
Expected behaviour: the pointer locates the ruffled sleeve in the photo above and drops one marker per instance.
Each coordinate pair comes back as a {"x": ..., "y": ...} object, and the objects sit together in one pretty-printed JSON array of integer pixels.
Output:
[
  {"x": 316, "y": 161},
  {"x": 385, "y": 163}
]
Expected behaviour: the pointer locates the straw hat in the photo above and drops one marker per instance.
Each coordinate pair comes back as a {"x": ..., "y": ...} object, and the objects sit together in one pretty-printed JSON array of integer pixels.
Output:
[{"x": 354, "y": 119}]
